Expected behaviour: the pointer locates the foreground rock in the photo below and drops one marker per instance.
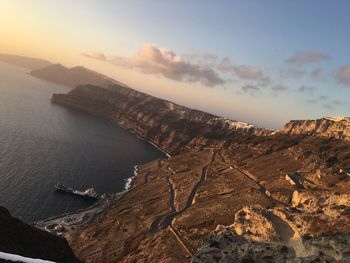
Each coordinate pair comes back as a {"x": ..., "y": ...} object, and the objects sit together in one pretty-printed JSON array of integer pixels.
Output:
[
  {"x": 24, "y": 240},
  {"x": 223, "y": 245}
]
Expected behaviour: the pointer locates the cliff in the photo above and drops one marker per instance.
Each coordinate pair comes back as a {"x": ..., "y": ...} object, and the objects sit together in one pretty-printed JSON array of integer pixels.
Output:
[
  {"x": 172, "y": 127},
  {"x": 335, "y": 127},
  {"x": 24, "y": 240},
  {"x": 72, "y": 77},
  {"x": 226, "y": 182}
]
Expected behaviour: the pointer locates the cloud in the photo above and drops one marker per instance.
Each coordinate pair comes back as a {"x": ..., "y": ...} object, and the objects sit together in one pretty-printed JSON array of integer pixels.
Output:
[
  {"x": 316, "y": 73},
  {"x": 292, "y": 73},
  {"x": 251, "y": 89},
  {"x": 265, "y": 81},
  {"x": 249, "y": 73},
  {"x": 311, "y": 101},
  {"x": 202, "y": 68},
  {"x": 279, "y": 88},
  {"x": 309, "y": 90},
  {"x": 307, "y": 57},
  {"x": 225, "y": 65},
  {"x": 334, "y": 104},
  {"x": 95, "y": 55},
  {"x": 343, "y": 75},
  {"x": 151, "y": 59},
  {"x": 208, "y": 59}
]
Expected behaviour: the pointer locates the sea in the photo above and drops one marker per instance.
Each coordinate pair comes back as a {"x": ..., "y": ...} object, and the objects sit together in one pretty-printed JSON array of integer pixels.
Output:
[{"x": 42, "y": 144}]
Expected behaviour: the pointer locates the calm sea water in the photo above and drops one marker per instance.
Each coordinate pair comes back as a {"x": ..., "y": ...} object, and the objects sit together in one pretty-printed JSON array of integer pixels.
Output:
[{"x": 42, "y": 143}]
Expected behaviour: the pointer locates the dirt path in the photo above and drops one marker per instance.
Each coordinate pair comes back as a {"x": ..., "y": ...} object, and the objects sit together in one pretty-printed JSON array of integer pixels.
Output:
[
  {"x": 165, "y": 221},
  {"x": 168, "y": 219},
  {"x": 252, "y": 178}
]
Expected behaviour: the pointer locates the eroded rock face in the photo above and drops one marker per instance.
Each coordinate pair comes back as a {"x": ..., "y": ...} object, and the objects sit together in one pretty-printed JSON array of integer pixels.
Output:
[
  {"x": 172, "y": 127},
  {"x": 275, "y": 235},
  {"x": 224, "y": 246},
  {"x": 335, "y": 127},
  {"x": 254, "y": 224}
]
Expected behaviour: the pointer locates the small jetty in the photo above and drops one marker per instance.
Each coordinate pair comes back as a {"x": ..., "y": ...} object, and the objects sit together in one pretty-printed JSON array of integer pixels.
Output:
[{"x": 89, "y": 193}]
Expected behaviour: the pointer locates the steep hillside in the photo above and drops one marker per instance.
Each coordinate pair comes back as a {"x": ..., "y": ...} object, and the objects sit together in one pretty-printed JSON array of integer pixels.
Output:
[
  {"x": 21, "y": 239},
  {"x": 172, "y": 127}
]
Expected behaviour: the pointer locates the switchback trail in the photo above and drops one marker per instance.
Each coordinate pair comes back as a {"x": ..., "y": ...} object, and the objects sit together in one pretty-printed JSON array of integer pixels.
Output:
[
  {"x": 165, "y": 221},
  {"x": 170, "y": 216}
]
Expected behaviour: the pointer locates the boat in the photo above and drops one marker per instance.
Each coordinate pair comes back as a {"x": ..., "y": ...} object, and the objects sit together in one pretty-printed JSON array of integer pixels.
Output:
[{"x": 88, "y": 193}]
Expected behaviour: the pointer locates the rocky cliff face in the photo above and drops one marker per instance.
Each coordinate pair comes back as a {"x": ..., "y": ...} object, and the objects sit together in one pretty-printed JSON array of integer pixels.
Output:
[
  {"x": 21, "y": 239},
  {"x": 335, "y": 127},
  {"x": 172, "y": 127}
]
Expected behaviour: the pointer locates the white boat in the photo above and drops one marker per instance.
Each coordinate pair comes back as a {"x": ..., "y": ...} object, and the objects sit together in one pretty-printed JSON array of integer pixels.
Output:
[{"x": 88, "y": 193}]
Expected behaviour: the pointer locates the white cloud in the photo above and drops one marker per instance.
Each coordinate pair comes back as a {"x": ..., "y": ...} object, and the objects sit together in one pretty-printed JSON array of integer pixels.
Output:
[{"x": 151, "y": 59}]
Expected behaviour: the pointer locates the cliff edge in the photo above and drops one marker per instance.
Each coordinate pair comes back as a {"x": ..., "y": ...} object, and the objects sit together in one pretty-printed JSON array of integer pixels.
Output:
[
  {"x": 171, "y": 127},
  {"x": 336, "y": 127}
]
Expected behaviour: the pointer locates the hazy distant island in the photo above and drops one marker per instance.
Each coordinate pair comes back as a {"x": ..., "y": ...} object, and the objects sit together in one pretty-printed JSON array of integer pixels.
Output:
[
  {"x": 230, "y": 192},
  {"x": 24, "y": 62}
]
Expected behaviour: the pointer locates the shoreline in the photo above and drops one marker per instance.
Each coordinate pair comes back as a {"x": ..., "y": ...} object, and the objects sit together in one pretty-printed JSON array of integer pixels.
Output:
[
  {"x": 142, "y": 138},
  {"x": 64, "y": 223},
  {"x": 132, "y": 131},
  {"x": 128, "y": 181}
]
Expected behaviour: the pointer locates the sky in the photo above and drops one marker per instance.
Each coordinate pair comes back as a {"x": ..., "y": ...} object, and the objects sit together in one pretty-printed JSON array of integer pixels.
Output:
[{"x": 263, "y": 62}]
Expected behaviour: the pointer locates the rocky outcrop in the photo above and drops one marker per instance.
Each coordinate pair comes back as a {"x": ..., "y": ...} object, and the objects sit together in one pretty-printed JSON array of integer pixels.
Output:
[
  {"x": 224, "y": 246},
  {"x": 335, "y": 127},
  {"x": 172, "y": 127},
  {"x": 21, "y": 239},
  {"x": 72, "y": 77},
  {"x": 306, "y": 233}
]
